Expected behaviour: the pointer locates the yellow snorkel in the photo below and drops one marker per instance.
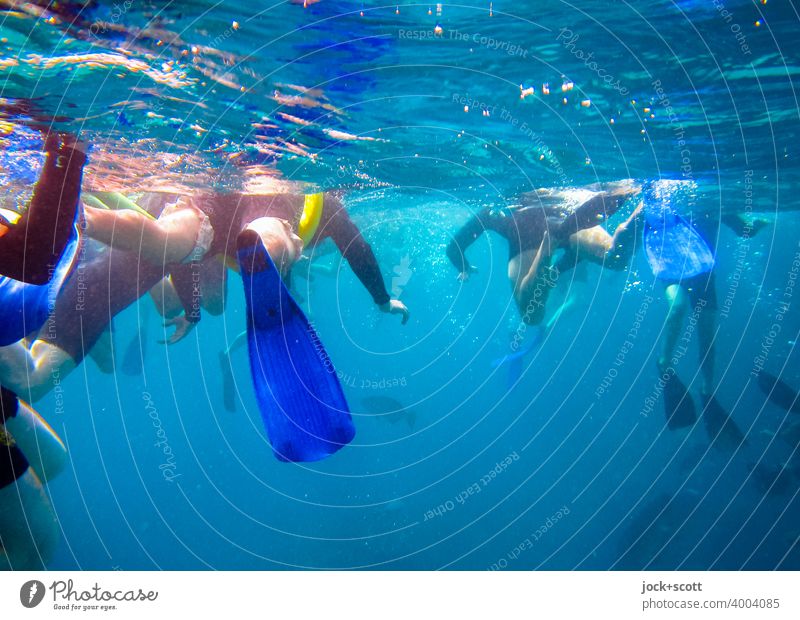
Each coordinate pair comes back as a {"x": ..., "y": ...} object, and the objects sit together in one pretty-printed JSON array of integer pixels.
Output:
[{"x": 309, "y": 220}]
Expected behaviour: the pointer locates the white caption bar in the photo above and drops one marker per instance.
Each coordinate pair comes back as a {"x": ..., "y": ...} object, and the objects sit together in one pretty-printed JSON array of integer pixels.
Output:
[{"x": 399, "y": 595}]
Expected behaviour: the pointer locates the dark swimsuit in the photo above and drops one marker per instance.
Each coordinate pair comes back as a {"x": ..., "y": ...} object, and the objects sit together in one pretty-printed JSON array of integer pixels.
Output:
[{"x": 13, "y": 463}]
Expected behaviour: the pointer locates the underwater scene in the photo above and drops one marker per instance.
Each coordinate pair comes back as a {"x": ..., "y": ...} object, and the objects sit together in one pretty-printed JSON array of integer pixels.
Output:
[{"x": 412, "y": 286}]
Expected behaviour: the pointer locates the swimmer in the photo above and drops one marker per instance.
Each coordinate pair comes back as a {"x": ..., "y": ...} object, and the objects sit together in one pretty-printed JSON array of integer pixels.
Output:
[
  {"x": 545, "y": 221},
  {"x": 205, "y": 227},
  {"x": 36, "y": 250},
  {"x": 31, "y": 454},
  {"x": 681, "y": 258},
  {"x": 301, "y": 400}
]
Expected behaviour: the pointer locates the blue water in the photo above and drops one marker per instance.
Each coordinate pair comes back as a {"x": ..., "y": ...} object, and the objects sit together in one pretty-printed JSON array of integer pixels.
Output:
[{"x": 545, "y": 473}]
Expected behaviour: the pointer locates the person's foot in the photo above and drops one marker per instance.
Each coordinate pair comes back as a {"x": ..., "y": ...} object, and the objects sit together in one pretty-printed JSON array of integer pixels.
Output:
[
  {"x": 280, "y": 241},
  {"x": 65, "y": 144},
  {"x": 758, "y": 223}
]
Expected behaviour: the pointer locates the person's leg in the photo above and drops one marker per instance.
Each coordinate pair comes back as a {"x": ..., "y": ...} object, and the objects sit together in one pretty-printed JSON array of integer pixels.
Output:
[
  {"x": 97, "y": 291},
  {"x": 280, "y": 241},
  {"x": 623, "y": 242},
  {"x": 213, "y": 286},
  {"x": 704, "y": 299},
  {"x": 166, "y": 240},
  {"x": 166, "y": 300},
  {"x": 593, "y": 243},
  {"x": 33, "y": 372},
  {"x": 30, "y": 250},
  {"x": 611, "y": 251},
  {"x": 28, "y": 526},
  {"x": 40, "y": 444},
  {"x": 705, "y": 333},
  {"x": 677, "y": 299},
  {"x": 532, "y": 280},
  {"x": 599, "y": 206}
]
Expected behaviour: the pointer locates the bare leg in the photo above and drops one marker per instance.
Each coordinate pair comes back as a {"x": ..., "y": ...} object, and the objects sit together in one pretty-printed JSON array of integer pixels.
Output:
[
  {"x": 169, "y": 239},
  {"x": 38, "y": 441},
  {"x": 33, "y": 372},
  {"x": 591, "y": 242},
  {"x": 677, "y": 299},
  {"x": 28, "y": 527},
  {"x": 532, "y": 287},
  {"x": 624, "y": 227}
]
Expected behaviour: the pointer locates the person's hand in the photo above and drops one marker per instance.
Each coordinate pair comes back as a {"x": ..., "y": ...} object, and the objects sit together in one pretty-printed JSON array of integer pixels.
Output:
[
  {"x": 395, "y": 306},
  {"x": 182, "y": 327},
  {"x": 464, "y": 275}
]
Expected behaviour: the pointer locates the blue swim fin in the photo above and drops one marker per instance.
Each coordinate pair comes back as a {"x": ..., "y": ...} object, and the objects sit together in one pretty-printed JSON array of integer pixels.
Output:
[
  {"x": 678, "y": 404},
  {"x": 676, "y": 251},
  {"x": 674, "y": 248},
  {"x": 722, "y": 430},
  {"x": 515, "y": 362},
  {"x": 25, "y": 307},
  {"x": 301, "y": 401},
  {"x": 779, "y": 392}
]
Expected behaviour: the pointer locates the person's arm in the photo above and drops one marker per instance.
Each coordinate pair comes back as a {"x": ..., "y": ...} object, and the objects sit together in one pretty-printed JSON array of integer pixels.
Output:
[
  {"x": 359, "y": 255},
  {"x": 458, "y": 245},
  {"x": 186, "y": 280},
  {"x": 596, "y": 210},
  {"x": 31, "y": 248}
]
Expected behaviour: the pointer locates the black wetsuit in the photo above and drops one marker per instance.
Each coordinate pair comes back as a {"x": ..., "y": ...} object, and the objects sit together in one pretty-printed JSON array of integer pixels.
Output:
[
  {"x": 13, "y": 463},
  {"x": 524, "y": 227},
  {"x": 31, "y": 248},
  {"x": 101, "y": 288}
]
